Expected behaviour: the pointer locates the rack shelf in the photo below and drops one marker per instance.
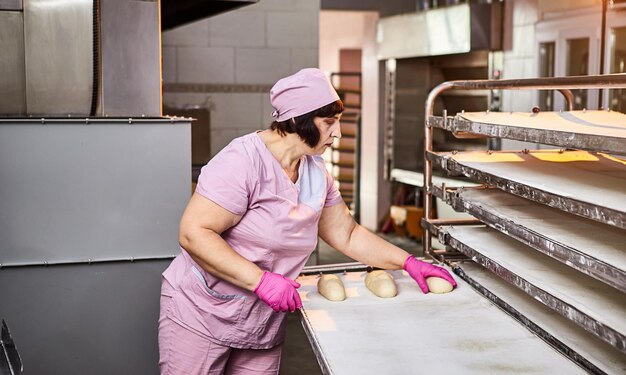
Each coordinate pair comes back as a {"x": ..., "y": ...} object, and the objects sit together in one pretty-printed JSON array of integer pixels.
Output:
[
  {"x": 587, "y": 184},
  {"x": 595, "y": 249},
  {"x": 591, "y": 304},
  {"x": 553, "y": 255},
  {"x": 591, "y": 353},
  {"x": 601, "y": 131}
]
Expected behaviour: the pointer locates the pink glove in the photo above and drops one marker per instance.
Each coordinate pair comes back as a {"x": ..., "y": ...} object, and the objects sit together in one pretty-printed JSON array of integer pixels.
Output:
[
  {"x": 278, "y": 292},
  {"x": 420, "y": 271}
]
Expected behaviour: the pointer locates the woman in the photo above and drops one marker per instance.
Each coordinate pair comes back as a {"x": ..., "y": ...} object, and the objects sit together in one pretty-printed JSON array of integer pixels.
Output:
[{"x": 248, "y": 230}]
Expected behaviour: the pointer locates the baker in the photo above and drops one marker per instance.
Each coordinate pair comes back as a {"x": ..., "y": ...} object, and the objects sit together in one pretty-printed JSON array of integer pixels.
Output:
[{"x": 255, "y": 217}]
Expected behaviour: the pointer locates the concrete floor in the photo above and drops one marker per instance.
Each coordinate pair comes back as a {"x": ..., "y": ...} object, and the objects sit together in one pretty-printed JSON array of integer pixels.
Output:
[{"x": 298, "y": 357}]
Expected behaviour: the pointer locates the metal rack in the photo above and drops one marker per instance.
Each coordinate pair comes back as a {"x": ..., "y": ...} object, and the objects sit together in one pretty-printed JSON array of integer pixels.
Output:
[
  {"x": 345, "y": 152},
  {"x": 552, "y": 222}
]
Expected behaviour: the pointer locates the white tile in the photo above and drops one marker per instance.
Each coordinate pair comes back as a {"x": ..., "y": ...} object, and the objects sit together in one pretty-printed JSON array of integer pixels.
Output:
[
  {"x": 307, "y": 4},
  {"x": 267, "y": 118},
  {"x": 291, "y": 29},
  {"x": 523, "y": 101},
  {"x": 513, "y": 68},
  {"x": 236, "y": 110},
  {"x": 507, "y": 100},
  {"x": 517, "y": 100},
  {"x": 193, "y": 34},
  {"x": 187, "y": 100},
  {"x": 237, "y": 29},
  {"x": 220, "y": 138},
  {"x": 169, "y": 64},
  {"x": 524, "y": 41},
  {"x": 262, "y": 65},
  {"x": 315, "y": 31},
  {"x": 369, "y": 210},
  {"x": 530, "y": 70},
  {"x": 206, "y": 65},
  {"x": 304, "y": 58},
  {"x": 525, "y": 12}
]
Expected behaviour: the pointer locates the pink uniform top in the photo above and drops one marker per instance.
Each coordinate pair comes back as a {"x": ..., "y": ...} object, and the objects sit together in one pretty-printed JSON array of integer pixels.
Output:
[{"x": 277, "y": 232}]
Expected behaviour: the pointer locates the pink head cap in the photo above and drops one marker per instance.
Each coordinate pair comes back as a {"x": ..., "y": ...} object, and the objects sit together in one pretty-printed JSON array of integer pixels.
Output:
[{"x": 301, "y": 93}]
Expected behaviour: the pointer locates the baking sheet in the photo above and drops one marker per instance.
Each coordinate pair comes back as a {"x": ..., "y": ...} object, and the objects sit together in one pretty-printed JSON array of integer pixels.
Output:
[
  {"x": 588, "y": 130},
  {"x": 591, "y": 247},
  {"x": 416, "y": 333},
  {"x": 588, "y": 184},
  {"x": 598, "y": 353},
  {"x": 597, "y": 307}
]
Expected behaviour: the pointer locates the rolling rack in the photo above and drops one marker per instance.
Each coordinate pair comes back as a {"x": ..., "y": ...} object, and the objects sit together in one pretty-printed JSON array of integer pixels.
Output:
[{"x": 548, "y": 245}]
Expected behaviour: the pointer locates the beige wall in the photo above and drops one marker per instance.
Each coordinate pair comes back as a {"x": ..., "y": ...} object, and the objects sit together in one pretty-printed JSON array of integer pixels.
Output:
[
  {"x": 228, "y": 62},
  {"x": 564, "y": 5},
  {"x": 361, "y": 34}
]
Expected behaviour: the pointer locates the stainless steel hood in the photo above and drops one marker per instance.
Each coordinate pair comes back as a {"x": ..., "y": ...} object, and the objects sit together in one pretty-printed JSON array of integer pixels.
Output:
[
  {"x": 80, "y": 58},
  {"x": 89, "y": 57},
  {"x": 450, "y": 30},
  {"x": 179, "y": 12}
]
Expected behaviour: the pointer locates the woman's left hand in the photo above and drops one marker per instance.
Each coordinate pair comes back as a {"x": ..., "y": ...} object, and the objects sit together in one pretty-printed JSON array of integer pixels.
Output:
[{"x": 420, "y": 271}]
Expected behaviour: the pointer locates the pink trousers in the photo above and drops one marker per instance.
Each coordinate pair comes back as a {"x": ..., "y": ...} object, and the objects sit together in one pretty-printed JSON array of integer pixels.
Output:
[{"x": 185, "y": 352}]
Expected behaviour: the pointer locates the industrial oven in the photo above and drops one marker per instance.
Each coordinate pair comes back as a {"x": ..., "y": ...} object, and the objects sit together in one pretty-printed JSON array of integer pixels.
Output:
[{"x": 541, "y": 267}]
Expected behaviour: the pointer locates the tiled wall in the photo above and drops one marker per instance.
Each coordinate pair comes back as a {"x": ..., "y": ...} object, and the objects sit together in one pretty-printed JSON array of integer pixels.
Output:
[{"x": 227, "y": 63}]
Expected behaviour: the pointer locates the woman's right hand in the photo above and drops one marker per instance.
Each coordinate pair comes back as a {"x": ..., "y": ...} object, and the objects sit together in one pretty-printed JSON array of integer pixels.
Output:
[{"x": 279, "y": 292}]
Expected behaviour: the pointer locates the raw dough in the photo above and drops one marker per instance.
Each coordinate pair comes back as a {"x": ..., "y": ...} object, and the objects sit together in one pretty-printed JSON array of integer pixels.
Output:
[
  {"x": 331, "y": 287},
  {"x": 438, "y": 285},
  {"x": 381, "y": 284}
]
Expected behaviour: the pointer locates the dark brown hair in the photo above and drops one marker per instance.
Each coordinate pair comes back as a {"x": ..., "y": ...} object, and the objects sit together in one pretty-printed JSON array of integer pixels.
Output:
[{"x": 304, "y": 126}]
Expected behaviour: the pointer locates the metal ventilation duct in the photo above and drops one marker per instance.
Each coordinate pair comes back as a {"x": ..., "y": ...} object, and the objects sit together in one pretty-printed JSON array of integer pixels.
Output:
[{"x": 454, "y": 29}]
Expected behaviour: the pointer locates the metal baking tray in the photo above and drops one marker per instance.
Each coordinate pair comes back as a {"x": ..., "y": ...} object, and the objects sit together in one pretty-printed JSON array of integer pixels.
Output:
[
  {"x": 602, "y": 131},
  {"x": 594, "y": 248},
  {"x": 595, "y": 355},
  {"x": 595, "y": 306},
  {"x": 415, "y": 332},
  {"x": 592, "y": 185}
]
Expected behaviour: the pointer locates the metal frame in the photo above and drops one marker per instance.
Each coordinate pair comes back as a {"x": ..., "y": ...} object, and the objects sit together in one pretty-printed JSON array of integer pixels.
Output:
[
  {"x": 10, "y": 360},
  {"x": 562, "y": 84},
  {"x": 335, "y": 268},
  {"x": 93, "y": 120},
  {"x": 315, "y": 345}
]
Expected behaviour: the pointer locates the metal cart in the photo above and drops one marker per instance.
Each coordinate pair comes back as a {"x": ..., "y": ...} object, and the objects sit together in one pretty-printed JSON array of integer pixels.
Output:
[{"x": 547, "y": 247}]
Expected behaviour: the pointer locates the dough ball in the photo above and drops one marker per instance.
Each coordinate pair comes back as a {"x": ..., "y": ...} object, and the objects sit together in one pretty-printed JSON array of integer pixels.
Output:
[
  {"x": 331, "y": 287},
  {"x": 381, "y": 284},
  {"x": 438, "y": 285}
]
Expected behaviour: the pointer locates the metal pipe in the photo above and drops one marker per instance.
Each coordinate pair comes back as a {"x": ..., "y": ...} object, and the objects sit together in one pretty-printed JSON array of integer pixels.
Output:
[
  {"x": 562, "y": 84},
  {"x": 334, "y": 268},
  {"x": 602, "y": 47},
  {"x": 93, "y": 120},
  {"x": 617, "y": 80},
  {"x": 456, "y": 222},
  {"x": 84, "y": 261},
  {"x": 569, "y": 98}
]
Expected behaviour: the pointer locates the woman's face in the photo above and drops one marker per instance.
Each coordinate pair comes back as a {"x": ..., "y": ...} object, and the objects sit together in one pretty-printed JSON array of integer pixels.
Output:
[{"x": 329, "y": 129}]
